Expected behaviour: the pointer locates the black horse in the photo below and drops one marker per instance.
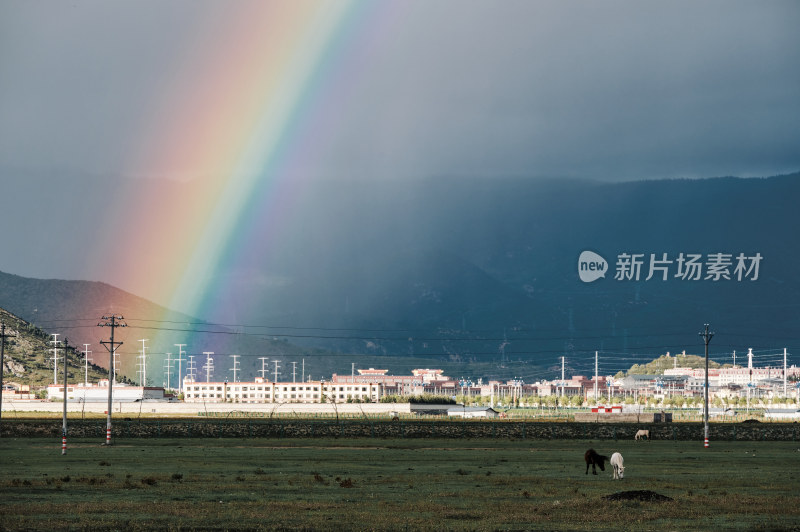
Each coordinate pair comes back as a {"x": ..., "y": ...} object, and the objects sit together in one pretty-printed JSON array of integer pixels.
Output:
[{"x": 593, "y": 459}]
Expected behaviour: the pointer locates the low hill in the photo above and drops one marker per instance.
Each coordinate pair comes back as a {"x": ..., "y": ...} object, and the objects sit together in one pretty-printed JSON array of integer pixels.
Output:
[
  {"x": 73, "y": 309},
  {"x": 665, "y": 362},
  {"x": 28, "y": 356}
]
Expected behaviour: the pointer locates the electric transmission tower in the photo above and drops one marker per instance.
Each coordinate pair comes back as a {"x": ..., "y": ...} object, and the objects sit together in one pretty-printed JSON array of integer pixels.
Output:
[
  {"x": 168, "y": 369},
  {"x": 235, "y": 367},
  {"x": 263, "y": 369},
  {"x": 86, "y": 354},
  {"x": 180, "y": 359},
  {"x": 55, "y": 343},
  {"x": 143, "y": 365},
  {"x": 209, "y": 365},
  {"x": 191, "y": 370}
]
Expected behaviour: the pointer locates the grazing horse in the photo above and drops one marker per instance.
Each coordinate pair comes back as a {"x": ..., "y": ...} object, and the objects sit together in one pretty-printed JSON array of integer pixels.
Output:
[
  {"x": 642, "y": 434},
  {"x": 618, "y": 465},
  {"x": 593, "y": 459}
]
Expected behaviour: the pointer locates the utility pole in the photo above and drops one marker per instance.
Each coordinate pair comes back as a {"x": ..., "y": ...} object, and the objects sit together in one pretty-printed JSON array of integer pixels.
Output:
[
  {"x": 503, "y": 348},
  {"x": 784, "y": 372},
  {"x": 168, "y": 369},
  {"x": 303, "y": 374},
  {"x": 54, "y": 341},
  {"x": 352, "y": 372},
  {"x": 750, "y": 381},
  {"x": 562, "y": 376},
  {"x": 209, "y": 367},
  {"x": 143, "y": 366},
  {"x": 235, "y": 367},
  {"x": 180, "y": 362},
  {"x": 113, "y": 322},
  {"x": 86, "y": 354},
  {"x": 294, "y": 372},
  {"x": 3, "y": 337},
  {"x": 706, "y": 335},
  {"x": 64, "y": 423},
  {"x": 191, "y": 369},
  {"x": 595, "y": 376},
  {"x": 276, "y": 371},
  {"x": 263, "y": 369}
]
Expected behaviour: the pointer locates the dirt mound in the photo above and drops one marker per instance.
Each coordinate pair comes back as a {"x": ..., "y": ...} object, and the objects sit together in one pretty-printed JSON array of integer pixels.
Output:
[{"x": 638, "y": 495}]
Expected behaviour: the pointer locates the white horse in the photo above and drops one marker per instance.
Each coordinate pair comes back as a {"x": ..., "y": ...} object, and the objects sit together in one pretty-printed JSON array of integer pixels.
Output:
[
  {"x": 642, "y": 434},
  {"x": 617, "y": 463}
]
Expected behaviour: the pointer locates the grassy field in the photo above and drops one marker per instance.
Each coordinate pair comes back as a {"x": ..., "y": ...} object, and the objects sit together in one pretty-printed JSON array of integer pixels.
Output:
[{"x": 393, "y": 484}]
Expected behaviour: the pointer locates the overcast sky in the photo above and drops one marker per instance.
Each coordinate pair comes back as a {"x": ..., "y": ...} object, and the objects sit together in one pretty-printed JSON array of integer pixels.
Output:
[
  {"x": 608, "y": 90},
  {"x": 94, "y": 92}
]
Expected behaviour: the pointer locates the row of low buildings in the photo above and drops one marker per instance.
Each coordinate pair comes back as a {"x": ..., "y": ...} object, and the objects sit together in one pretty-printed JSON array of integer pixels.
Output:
[{"x": 370, "y": 385}]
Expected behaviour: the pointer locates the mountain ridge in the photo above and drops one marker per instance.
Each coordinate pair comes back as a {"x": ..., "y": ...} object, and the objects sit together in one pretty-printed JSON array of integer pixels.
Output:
[{"x": 485, "y": 272}]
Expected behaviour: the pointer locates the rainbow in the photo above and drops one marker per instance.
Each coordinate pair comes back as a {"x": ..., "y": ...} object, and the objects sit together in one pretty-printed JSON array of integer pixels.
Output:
[{"x": 242, "y": 108}]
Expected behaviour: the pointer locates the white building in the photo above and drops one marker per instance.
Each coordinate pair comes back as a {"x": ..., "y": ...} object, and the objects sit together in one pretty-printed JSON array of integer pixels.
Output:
[
  {"x": 261, "y": 391},
  {"x": 97, "y": 393},
  {"x": 471, "y": 411},
  {"x": 784, "y": 414}
]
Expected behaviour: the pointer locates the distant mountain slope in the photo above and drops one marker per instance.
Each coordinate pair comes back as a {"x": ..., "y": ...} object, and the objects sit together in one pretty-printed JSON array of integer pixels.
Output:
[
  {"x": 487, "y": 269},
  {"x": 476, "y": 273},
  {"x": 74, "y": 308}
]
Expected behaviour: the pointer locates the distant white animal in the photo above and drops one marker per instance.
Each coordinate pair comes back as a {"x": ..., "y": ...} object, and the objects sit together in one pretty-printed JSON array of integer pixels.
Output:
[
  {"x": 618, "y": 465},
  {"x": 642, "y": 434}
]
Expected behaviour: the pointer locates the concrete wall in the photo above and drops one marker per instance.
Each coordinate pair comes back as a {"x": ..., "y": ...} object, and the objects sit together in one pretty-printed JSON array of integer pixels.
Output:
[{"x": 201, "y": 409}]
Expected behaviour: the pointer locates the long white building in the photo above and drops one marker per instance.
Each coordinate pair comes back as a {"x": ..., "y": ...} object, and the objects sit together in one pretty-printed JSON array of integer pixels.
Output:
[
  {"x": 97, "y": 393},
  {"x": 262, "y": 391}
]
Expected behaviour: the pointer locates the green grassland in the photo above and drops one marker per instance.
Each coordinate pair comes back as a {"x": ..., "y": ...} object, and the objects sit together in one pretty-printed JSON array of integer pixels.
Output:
[{"x": 385, "y": 484}]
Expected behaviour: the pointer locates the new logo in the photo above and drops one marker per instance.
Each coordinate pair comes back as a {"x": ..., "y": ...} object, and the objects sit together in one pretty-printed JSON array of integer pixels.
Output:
[{"x": 591, "y": 266}]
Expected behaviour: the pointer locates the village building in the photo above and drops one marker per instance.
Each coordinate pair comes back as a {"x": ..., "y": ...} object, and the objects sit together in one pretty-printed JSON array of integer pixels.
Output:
[
  {"x": 17, "y": 392},
  {"x": 96, "y": 393},
  {"x": 262, "y": 391}
]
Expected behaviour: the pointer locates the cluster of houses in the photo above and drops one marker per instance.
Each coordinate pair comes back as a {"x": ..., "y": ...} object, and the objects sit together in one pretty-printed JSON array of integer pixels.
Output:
[{"x": 372, "y": 385}]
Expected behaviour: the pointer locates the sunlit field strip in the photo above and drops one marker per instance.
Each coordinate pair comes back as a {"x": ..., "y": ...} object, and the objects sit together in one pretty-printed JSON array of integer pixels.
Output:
[{"x": 391, "y": 484}]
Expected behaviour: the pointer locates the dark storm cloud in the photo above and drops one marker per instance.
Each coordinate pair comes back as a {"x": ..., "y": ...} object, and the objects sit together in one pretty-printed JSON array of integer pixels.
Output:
[
  {"x": 613, "y": 90},
  {"x": 601, "y": 89}
]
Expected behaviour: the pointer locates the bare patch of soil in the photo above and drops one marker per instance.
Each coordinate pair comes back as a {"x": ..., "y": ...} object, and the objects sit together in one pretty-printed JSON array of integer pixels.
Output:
[{"x": 638, "y": 495}]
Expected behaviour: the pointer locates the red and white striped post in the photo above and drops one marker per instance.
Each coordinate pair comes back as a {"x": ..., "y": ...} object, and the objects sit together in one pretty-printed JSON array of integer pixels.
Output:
[
  {"x": 64, "y": 443},
  {"x": 108, "y": 434},
  {"x": 705, "y": 442}
]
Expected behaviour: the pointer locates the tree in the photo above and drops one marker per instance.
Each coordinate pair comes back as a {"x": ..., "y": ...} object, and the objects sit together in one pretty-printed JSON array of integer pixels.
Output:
[{"x": 551, "y": 400}]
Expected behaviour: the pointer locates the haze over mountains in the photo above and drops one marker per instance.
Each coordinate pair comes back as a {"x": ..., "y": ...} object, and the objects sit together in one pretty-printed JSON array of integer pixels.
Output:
[
  {"x": 477, "y": 258},
  {"x": 486, "y": 271}
]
